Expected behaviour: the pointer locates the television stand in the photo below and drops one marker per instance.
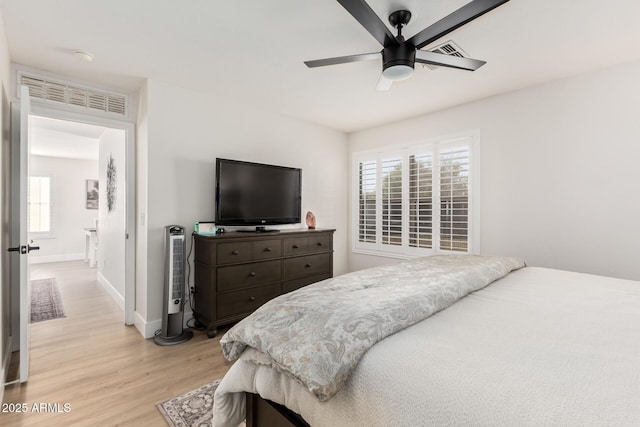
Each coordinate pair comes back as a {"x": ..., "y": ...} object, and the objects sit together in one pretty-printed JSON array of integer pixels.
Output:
[{"x": 235, "y": 273}]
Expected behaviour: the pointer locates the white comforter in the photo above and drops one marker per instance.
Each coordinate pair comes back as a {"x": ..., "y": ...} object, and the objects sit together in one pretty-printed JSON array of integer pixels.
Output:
[
  {"x": 319, "y": 333},
  {"x": 538, "y": 347}
]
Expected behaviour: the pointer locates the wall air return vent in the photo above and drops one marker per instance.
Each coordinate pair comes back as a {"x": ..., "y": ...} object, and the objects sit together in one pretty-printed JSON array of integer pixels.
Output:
[
  {"x": 58, "y": 92},
  {"x": 447, "y": 48}
]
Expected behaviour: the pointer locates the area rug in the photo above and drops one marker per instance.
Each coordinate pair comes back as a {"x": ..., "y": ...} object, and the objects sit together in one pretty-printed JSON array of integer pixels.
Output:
[
  {"x": 191, "y": 409},
  {"x": 46, "y": 302}
]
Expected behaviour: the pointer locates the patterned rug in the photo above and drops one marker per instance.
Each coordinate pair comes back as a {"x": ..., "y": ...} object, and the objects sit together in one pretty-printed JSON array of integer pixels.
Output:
[
  {"x": 46, "y": 302},
  {"x": 191, "y": 409}
]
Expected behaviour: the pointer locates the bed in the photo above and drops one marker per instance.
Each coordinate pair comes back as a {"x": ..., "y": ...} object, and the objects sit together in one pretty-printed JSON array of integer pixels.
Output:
[{"x": 533, "y": 346}]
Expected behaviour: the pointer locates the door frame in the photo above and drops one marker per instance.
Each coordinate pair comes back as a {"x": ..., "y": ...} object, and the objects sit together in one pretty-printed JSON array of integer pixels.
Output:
[
  {"x": 38, "y": 109},
  {"x": 18, "y": 229}
]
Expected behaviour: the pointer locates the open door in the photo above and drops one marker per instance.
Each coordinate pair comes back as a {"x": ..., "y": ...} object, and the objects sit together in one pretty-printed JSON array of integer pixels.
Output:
[{"x": 19, "y": 230}]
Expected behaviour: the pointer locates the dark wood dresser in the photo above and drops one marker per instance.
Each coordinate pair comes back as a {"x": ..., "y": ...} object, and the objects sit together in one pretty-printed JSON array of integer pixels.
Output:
[{"x": 236, "y": 272}]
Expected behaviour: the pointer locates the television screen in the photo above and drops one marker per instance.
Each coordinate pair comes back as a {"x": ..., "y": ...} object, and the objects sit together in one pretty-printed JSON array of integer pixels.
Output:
[{"x": 257, "y": 194}]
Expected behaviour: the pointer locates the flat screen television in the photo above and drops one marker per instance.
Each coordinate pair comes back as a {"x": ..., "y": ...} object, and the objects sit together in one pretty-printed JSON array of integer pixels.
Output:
[{"x": 257, "y": 194}]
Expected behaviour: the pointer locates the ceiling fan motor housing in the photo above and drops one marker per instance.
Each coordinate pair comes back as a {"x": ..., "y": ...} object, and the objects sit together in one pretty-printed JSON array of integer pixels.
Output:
[{"x": 400, "y": 54}]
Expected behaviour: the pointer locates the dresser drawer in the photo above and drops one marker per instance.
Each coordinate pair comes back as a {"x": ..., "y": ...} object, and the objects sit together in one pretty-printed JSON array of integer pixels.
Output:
[
  {"x": 295, "y": 246},
  {"x": 320, "y": 243},
  {"x": 306, "y": 266},
  {"x": 235, "y": 273},
  {"x": 241, "y": 276},
  {"x": 265, "y": 249},
  {"x": 245, "y": 301},
  {"x": 234, "y": 252}
]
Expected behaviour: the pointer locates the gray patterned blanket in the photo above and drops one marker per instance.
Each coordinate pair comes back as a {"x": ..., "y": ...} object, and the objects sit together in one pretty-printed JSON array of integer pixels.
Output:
[{"x": 318, "y": 334}]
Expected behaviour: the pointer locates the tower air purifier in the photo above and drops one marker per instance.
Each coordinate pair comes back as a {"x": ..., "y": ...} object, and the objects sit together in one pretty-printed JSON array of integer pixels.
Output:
[{"x": 174, "y": 284}]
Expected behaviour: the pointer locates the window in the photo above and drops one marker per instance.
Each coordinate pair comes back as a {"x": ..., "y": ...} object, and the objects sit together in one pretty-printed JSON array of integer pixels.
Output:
[
  {"x": 417, "y": 200},
  {"x": 39, "y": 204}
]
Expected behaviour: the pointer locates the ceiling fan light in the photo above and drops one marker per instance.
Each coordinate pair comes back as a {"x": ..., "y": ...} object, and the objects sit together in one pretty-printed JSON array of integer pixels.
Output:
[{"x": 398, "y": 72}]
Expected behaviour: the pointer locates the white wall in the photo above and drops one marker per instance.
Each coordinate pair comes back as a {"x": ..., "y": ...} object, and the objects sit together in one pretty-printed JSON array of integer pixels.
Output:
[
  {"x": 559, "y": 170},
  {"x": 185, "y": 131},
  {"x": 111, "y": 225},
  {"x": 70, "y": 215}
]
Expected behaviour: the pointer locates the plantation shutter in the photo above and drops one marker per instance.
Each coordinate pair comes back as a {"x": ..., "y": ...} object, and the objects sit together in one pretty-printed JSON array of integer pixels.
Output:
[
  {"x": 421, "y": 200},
  {"x": 454, "y": 198},
  {"x": 417, "y": 200},
  {"x": 392, "y": 201},
  {"x": 367, "y": 201},
  {"x": 60, "y": 92}
]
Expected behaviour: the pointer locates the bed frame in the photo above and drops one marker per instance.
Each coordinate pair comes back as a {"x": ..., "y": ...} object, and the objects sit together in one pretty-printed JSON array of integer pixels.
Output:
[{"x": 265, "y": 413}]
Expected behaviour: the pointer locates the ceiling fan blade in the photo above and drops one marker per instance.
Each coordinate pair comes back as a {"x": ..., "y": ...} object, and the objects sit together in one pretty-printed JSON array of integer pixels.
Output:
[
  {"x": 457, "y": 19},
  {"x": 342, "y": 59},
  {"x": 363, "y": 13},
  {"x": 384, "y": 84},
  {"x": 433, "y": 58}
]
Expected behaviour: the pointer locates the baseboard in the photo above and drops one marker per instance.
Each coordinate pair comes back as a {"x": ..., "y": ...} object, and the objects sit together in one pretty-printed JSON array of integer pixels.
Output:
[
  {"x": 33, "y": 259},
  {"x": 148, "y": 329},
  {"x": 119, "y": 299},
  {"x": 139, "y": 323}
]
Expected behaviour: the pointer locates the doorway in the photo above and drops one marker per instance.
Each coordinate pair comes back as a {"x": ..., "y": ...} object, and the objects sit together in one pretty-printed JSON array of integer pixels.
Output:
[
  {"x": 116, "y": 202},
  {"x": 114, "y": 170},
  {"x": 74, "y": 209},
  {"x": 85, "y": 164}
]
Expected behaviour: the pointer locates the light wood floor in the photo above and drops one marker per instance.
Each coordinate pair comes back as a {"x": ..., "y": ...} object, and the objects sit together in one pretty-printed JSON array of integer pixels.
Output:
[{"x": 105, "y": 371}]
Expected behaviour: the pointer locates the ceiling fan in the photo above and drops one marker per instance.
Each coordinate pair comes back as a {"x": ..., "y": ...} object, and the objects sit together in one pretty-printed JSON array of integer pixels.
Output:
[{"x": 399, "y": 55}]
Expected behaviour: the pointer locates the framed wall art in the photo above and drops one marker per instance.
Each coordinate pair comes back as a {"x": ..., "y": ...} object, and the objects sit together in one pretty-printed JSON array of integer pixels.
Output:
[{"x": 92, "y": 194}]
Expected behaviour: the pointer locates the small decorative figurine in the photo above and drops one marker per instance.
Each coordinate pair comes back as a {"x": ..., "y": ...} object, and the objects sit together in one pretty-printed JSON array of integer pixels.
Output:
[{"x": 311, "y": 220}]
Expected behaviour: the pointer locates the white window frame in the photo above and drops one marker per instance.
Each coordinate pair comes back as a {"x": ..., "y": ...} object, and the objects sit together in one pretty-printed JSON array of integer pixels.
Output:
[
  {"x": 42, "y": 234},
  {"x": 404, "y": 251}
]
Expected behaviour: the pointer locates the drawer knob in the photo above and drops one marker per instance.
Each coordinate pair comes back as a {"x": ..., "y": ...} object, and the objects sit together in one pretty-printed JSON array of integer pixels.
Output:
[
  {"x": 307, "y": 266},
  {"x": 319, "y": 243},
  {"x": 235, "y": 253},
  {"x": 252, "y": 274},
  {"x": 252, "y": 298},
  {"x": 296, "y": 247},
  {"x": 267, "y": 249}
]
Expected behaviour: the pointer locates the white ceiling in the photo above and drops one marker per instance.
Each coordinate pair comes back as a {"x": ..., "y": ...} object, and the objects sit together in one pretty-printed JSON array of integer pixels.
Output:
[
  {"x": 253, "y": 50},
  {"x": 58, "y": 138}
]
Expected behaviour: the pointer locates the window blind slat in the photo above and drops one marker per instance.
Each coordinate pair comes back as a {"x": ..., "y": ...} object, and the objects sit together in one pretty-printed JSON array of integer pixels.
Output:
[
  {"x": 421, "y": 200},
  {"x": 454, "y": 198},
  {"x": 392, "y": 201},
  {"x": 367, "y": 201},
  {"x": 70, "y": 94}
]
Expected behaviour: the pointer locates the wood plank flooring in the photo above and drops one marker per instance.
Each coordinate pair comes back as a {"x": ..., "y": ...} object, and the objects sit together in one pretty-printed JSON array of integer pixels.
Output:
[{"x": 105, "y": 371}]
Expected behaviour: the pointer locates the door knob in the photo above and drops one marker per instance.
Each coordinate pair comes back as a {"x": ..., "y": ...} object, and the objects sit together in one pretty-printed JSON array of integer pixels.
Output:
[{"x": 23, "y": 249}]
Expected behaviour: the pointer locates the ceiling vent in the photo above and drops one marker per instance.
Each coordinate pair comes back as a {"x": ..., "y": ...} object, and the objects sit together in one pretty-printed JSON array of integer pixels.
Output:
[
  {"x": 58, "y": 92},
  {"x": 447, "y": 48}
]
